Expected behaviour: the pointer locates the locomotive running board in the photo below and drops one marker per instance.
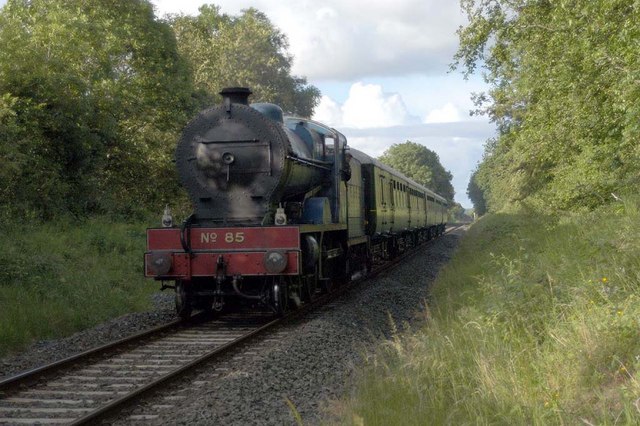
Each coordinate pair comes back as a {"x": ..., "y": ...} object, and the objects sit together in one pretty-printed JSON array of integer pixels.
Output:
[{"x": 329, "y": 227}]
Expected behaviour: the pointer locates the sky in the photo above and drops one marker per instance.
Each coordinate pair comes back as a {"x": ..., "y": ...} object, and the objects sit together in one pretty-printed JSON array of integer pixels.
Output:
[{"x": 383, "y": 69}]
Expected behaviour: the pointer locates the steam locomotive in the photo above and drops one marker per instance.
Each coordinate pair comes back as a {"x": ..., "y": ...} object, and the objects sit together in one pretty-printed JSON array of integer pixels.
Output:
[{"x": 283, "y": 209}]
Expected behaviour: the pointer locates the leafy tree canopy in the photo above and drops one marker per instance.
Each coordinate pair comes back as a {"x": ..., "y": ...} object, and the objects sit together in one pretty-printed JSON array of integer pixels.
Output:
[
  {"x": 476, "y": 195},
  {"x": 420, "y": 164},
  {"x": 565, "y": 79},
  {"x": 246, "y": 50},
  {"x": 457, "y": 213},
  {"x": 90, "y": 94}
]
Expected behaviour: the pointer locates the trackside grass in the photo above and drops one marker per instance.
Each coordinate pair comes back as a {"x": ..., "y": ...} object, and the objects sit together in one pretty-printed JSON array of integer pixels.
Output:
[
  {"x": 535, "y": 320},
  {"x": 61, "y": 277}
]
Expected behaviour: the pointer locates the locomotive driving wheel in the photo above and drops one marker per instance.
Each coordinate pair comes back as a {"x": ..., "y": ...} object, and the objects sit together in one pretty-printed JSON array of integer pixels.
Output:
[
  {"x": 184, "y": 300},
  {"x": 309, "y": 286},
  {"x": 279, "y": 296},
  {"x": 333, "y": 266}
]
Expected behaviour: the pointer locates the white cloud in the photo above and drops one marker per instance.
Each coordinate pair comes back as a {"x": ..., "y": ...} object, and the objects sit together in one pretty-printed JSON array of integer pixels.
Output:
[
  {"x": 447, "y": 114},
  {"x": 367, "y": 106},
  {"x": 328, "y": 111},
  {"x": 350, "y": 39}
]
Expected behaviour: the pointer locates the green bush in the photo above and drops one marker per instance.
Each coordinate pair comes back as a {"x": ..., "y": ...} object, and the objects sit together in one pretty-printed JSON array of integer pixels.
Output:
[{"x": 64, "y": 276}]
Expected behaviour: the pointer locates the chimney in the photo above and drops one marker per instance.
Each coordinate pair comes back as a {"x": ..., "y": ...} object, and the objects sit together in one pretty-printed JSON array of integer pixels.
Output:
[{"x": 236, "y": 95}]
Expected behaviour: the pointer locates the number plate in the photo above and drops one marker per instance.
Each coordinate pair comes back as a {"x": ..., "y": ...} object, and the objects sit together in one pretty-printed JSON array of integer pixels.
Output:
[{"x": 284, "y": 237}]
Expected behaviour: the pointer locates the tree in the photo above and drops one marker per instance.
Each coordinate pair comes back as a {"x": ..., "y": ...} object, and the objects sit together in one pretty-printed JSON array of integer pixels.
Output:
[
  {"x": 92, "y": 95},
  {"x": 457, "y": 213},
  {"x": 476, "y": 195},
  {"x": 246, "y": 50},
  {"x": 420, "y": 164},
  {"x": 564, "y": 84}
]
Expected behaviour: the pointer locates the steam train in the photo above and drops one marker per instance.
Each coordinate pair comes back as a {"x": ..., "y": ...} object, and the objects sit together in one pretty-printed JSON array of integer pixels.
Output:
[{"x": 283, "y": 209}]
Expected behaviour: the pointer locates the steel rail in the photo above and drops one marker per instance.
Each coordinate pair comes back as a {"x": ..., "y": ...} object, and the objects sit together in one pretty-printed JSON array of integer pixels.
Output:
[{"x": 26, "y": 376}]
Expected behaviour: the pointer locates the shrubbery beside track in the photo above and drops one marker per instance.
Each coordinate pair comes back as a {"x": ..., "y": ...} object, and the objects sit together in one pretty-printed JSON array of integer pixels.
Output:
[
  {"x": 64, "y": 276},
  {"x": 534, "y": 321}
]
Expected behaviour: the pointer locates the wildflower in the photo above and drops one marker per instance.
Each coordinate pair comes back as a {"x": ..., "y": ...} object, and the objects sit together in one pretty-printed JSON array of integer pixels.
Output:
[
  {"x": 604, "y": 279},
  {"x": 619, "y": 313}
]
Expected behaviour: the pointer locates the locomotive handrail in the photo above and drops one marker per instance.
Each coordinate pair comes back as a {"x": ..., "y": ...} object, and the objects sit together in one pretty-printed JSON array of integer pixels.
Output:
[
  {"x": 310, "y": 162},
  {"x": 185, "y": 235}
]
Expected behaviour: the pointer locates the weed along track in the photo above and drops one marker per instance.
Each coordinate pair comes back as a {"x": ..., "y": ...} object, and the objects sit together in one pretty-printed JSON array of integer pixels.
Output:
[{"x": 98, "y": 383}]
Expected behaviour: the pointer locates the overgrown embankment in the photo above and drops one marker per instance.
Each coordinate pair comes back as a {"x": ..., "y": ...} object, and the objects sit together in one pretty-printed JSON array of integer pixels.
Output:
[
  {"x": 64, "y": 276},
  {"x": 534, "y": 321}
]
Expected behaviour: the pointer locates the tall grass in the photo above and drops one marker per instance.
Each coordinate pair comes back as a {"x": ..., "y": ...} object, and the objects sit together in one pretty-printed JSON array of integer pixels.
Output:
[
  {"x": 536, "y": 320},
  {"x": 60, "y": 277}
]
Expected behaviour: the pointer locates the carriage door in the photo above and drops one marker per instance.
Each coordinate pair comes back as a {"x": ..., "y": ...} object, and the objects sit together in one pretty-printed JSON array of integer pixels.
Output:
[
  {"x": 392, "y": 201},
  {"x": 409, "y": 194},
  {"x": 383, "y": 203},
  {"x": 425, "y": 213}
]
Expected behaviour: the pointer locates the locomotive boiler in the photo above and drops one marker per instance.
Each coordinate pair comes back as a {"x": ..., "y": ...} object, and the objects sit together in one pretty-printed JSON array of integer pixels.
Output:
[{"x": 282, "y": 209}]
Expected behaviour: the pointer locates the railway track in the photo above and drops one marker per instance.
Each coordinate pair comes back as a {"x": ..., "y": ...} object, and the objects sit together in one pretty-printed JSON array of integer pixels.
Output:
[{"x": 91, "y": 385}]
